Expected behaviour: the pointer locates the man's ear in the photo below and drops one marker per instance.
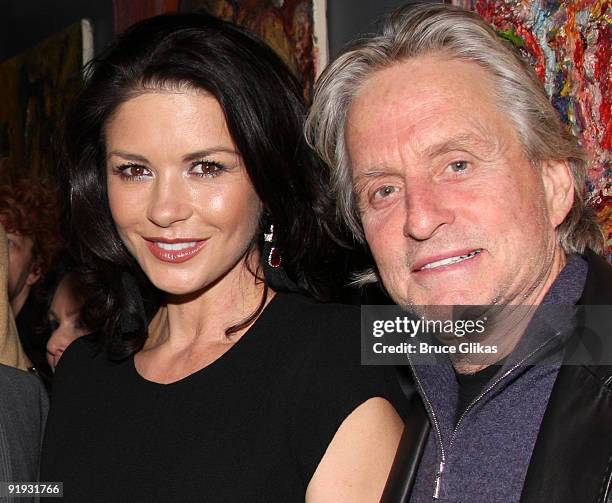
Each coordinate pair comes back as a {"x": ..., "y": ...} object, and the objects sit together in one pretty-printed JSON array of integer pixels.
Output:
[
  {"x": 558, "y": 190},
  {"x": 34, "y": 276}
]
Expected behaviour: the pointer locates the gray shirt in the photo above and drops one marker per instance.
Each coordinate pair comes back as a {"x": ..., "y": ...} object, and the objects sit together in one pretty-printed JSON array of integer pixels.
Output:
[{"x": 23, "y": 411}]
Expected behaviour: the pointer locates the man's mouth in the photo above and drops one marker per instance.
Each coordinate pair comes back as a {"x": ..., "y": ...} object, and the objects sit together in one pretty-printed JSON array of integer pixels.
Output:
[{"x": 449, "y": 260}]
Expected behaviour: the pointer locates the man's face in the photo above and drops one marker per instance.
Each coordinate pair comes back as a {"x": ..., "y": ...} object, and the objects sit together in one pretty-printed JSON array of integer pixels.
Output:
[
  {"x": 452, "y": 210},
  {"x": 22, "y": 271}
]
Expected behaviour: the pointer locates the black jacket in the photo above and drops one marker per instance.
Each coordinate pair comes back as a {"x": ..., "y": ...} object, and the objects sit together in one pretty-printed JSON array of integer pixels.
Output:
[{"x": 572, "y": 457}]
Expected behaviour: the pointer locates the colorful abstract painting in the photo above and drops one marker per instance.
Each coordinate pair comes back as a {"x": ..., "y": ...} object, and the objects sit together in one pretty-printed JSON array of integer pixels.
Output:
[
  {"x": 36, "y": 88},
  {"x": 570, "y": 45},
  {"x": 288, "y": 26}
]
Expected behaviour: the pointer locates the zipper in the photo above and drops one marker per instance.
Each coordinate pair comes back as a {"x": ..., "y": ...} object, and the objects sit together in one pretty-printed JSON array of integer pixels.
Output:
[
  {"x": 440, "y": 471},
  {"x": 436, "y": 493},
  {"x": 436, "y": 427}
]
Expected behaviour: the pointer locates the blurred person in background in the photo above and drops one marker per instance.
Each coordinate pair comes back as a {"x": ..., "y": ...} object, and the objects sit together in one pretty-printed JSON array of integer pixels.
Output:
[
  {"x": 23, "y": 400},
  {"x": 29, "y": 213},
  {"x": 63, "y": 322}
]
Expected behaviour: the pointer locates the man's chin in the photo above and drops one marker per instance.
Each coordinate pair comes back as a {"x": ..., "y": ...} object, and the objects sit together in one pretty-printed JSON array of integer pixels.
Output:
[{"x": 445, "y": 297}]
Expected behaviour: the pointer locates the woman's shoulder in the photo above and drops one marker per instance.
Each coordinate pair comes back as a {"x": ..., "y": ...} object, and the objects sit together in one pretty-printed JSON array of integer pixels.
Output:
[
  {"x": 314, "y": 334},
  {"x": 305, "y": 313}
]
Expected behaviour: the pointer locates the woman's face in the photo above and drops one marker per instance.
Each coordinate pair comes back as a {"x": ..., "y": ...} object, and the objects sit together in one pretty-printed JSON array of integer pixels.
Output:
[
  {"x": 178, "y": 190},
  {"x": 64, "y": 319}
]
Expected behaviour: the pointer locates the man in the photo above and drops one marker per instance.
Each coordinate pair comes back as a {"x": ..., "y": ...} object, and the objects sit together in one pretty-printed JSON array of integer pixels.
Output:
[
  {"x": 23, "y": 400},
  {"x": 28, "y": 211},
  {"x": 450, "y": 162}
]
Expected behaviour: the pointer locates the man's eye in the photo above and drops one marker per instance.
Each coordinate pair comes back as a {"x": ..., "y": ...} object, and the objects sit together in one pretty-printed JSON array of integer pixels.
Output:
[
  {"x": 206, "y": 168},
  {"x": 458, "y": 166},
  {"x": 13, "y": 240},
  {"x": 384, "y": 192}
]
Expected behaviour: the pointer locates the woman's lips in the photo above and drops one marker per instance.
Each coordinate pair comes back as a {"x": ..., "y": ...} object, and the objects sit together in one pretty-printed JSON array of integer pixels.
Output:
[{"x": 174, "y": 251}]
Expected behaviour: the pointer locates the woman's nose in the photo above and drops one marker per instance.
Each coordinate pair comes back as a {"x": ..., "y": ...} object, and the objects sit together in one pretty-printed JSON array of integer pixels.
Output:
[
  {"x": 169, "y": 203},
  {"x": 57, "y": 343}
]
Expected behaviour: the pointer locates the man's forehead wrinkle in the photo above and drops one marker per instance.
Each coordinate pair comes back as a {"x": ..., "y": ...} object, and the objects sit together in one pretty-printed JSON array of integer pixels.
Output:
[
  {"x": 394, "y": 127},
  {"x": 387, "y": 142},
  {"x": 395, "y": 115},
  {"x": 387, "y": 159},
  {"x": 482, "y": 146}
]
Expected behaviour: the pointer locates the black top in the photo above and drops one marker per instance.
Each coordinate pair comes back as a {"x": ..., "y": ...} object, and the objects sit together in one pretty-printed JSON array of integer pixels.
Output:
[
  {"x": 30, "y": 322},
  {"x": 252, "y": 426},
  {"x": 471, "y": 385}
]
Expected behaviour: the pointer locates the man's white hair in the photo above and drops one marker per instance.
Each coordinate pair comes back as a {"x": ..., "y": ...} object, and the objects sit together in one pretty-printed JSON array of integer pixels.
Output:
[{"x": 423, "y": 29}]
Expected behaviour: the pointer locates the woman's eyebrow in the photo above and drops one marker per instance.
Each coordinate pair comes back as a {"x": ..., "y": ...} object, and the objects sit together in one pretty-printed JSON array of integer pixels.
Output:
[
  {"x": 188, "y": 157},
  {"x": 127, "y": 155},
  {"x": 194, "y": 156}
]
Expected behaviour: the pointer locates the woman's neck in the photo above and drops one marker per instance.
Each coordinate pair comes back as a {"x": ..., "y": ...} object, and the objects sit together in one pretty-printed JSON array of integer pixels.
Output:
[{"x": 202, "y": 318}]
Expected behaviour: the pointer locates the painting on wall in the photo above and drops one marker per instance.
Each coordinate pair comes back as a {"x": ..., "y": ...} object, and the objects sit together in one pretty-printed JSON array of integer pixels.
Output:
[
  {"x": 569, "y": 44},
  {"x": 295, "y": 29},
  {"x": 37, "y": 88}
]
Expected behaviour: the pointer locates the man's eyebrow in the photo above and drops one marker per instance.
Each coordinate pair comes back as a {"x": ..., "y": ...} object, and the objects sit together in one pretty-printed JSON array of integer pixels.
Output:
[
  {"x": 360, "y": 181},
  {"x": 475, "y": 144},
  {"x": 365, "y": 175},
  {"x": 376, "y": 172}
]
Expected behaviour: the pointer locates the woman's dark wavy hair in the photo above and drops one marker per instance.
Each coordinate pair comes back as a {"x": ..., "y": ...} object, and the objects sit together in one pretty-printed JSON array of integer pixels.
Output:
[{"x": 264, "y": 111}]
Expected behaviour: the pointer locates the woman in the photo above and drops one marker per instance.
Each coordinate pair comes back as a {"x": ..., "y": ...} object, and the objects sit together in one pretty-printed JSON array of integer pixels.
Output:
[
  {"x": 63, "y": 318},
  {"x": 188, "y": 174}
]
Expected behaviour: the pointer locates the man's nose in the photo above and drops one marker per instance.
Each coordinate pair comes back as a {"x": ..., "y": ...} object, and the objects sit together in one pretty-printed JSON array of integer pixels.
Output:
[
  {"x": 427, "y": 210},
  {"x": 169, "y": 201}
]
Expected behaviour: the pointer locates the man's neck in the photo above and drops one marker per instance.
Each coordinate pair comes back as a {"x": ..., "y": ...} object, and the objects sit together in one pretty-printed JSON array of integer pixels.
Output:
[
  {"x": 557, "y": 264},
  {"x": 508, "y": 334},
  {"x": 19, "y": 300}
]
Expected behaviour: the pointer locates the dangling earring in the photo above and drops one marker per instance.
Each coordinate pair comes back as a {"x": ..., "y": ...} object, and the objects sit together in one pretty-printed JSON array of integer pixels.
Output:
[{"x": 274, "y": 256}]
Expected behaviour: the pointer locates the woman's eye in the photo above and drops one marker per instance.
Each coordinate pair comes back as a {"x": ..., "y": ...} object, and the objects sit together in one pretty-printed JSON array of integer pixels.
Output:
[
  {"x": 53, "y": 325},
  {"x": 206, "y": 168},
  {"x": 133, "y": 171},
  {"x": 458, "y": 166}
]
